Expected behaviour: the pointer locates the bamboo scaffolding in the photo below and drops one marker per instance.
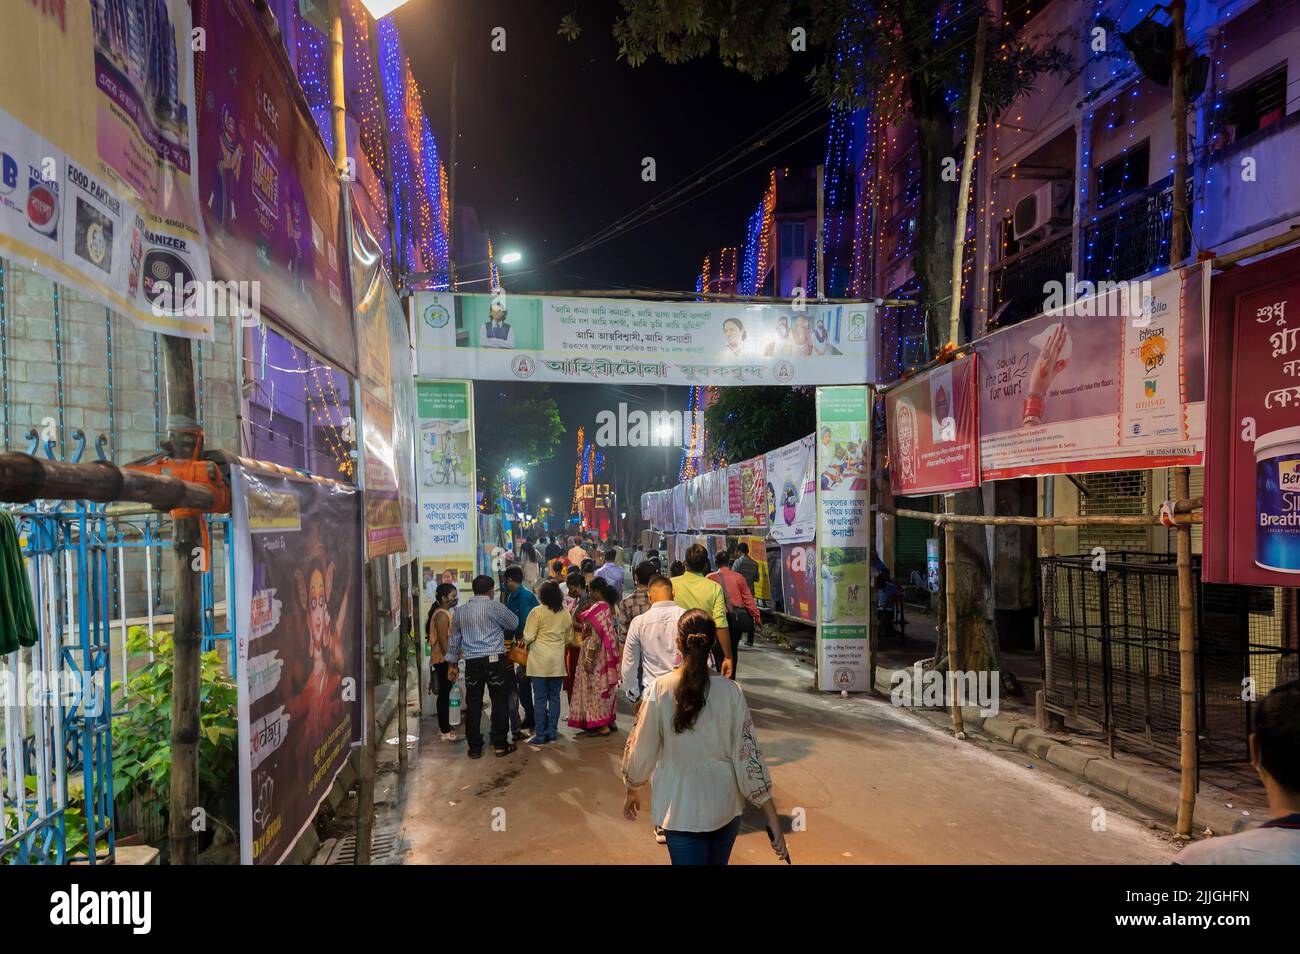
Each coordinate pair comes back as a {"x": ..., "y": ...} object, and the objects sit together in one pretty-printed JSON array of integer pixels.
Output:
[{"x": 24, "y": 478}]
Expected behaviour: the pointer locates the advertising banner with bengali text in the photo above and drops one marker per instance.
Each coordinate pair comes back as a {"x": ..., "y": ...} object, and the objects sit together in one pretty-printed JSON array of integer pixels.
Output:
[
  {"x": 791, "y": 491},
  {"x": 300, "y": 651},
  {"x": 99, "y": 156},
  {"x": 627, "y": 341},
  {"x": 448, "y": 515}
]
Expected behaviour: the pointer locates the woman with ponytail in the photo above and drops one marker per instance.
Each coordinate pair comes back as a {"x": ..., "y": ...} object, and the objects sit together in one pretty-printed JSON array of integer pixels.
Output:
[{"x": 695, "y": 736}]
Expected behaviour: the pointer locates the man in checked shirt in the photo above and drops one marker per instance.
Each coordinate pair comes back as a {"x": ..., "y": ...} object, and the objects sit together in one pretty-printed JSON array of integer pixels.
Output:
[{"x": 478, "y": 633}]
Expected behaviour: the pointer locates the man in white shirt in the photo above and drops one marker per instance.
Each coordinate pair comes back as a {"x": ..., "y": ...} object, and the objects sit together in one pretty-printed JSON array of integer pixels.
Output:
[
  {"x": 577, "y": 553},
  {"x": 651, "y": 644}
]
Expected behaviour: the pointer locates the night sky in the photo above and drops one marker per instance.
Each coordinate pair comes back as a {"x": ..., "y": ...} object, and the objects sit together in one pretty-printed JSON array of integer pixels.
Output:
[{"x": 551, "y": 138}]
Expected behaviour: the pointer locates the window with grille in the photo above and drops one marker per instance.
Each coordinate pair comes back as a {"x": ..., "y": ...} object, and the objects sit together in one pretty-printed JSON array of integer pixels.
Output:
[
  {"x": 1126, "y": 173},
  {"x": 793, "y": 240},
  {"x": 1122, "y": 492},
  {"x": 1260, "y": 102}
]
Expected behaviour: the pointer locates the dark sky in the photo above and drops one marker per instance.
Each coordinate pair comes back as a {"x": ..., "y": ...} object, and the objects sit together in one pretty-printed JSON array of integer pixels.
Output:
[{"x": 552, "y": 135}]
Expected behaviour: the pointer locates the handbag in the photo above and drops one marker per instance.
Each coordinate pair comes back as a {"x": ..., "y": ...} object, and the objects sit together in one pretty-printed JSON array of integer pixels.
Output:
[{"x": 518, "y": 654}]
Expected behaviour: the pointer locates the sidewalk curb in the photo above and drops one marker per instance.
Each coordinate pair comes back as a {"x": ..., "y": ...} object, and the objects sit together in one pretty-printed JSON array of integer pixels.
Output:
[{"x": 1151, "y": 794}]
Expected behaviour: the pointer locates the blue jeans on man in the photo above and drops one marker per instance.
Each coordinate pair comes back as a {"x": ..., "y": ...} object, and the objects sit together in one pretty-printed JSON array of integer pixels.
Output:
[{"x": 546, "y": 703}]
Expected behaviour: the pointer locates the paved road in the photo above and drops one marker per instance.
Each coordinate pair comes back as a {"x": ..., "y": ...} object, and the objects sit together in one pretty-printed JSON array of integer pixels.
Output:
[{"x": 871, "y": 784}]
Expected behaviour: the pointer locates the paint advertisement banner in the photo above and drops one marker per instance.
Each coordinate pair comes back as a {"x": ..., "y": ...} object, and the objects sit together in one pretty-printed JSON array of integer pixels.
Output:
[
  {"x": 843, "y": 463},
  {"x": 791, "y": 492},
  {"x": 1097, "y": 385},
  {"x": 1252, "y": 470},
  {"x": 747, "y": 494},
  {"x": 387, "y": 399},
  {"x": 934, "y": 431},
  {"x": 269, "y": 190},
  {"x": 98, "y": 157},
  {"x": 446, "y": 492},
  {"x": 300, "y": 651},
  {"x": 627, "y": 341},
  {"x": 758, "y": 553},
  {"x": 799, "y": 580}
]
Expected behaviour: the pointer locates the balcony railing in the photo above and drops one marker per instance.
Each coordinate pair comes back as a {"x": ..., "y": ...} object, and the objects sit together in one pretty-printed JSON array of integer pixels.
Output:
[
  {"x": 1017, "y": 281},
  {"x": 1131, "y": 237}
]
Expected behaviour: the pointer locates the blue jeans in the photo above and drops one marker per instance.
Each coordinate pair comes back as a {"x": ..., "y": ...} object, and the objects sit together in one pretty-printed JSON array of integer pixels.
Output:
[
  {"x": 703, "y": 847},
  {"x": 546, "y": 704}
]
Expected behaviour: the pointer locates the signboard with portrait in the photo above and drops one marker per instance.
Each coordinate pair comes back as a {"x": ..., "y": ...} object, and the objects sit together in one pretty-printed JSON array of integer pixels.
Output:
[
  {"x": 934, "y": 431},
  {"x": 299, "y": 649},
  {"x": 747, "y": 494},
  {"x": 791, "y": 491},
  {"x": 626, "y": 341}
]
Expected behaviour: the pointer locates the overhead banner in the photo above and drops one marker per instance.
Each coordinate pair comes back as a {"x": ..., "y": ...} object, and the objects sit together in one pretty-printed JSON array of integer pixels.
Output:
[
  {"x": 791, "y": 491},
  {"x": 269, "y": 190},
  {"x": 799, "y": 580},
  {"x": 933, "y": 430},
  {"x": 843, "y": 462},
  {"x": 299, "y": 648},
  {"x": 1252, "y": 469},
  {"x": 530, "y": 337},
  {"x": 446, "y": 493},
  {"x": 747, "y": 494},
  {"x": 98, "y": 156},
  {"x": 1112, "y": 382},
  {"x": 387, "y": 399}
]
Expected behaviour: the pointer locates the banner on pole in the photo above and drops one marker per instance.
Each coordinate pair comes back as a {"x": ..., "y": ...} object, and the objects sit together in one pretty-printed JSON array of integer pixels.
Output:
[
  {"x": 791, "y": 492},
  {"x": 1111, "y": 382},
  {"x": 98, "y": 157},
  {"x": 843, "y": 461},
  {"x": 300, "y": 651},
  {"x": 747, "y": 494},
  {"x": 758, "y": 553},
  {"x": 530, "y": 337},
  {"x": 934, "y": 430},
  {"x": 799, "y": 580},
  {"x": 446, "y": 492}
]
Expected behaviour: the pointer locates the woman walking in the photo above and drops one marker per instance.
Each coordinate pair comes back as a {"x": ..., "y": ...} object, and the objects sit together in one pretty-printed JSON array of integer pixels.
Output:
[
  {"x": 592, "y": 705},
  {"x": 547, "y": 632},
  {"x": 695, "y": 735},
  {"x": 437, "y": 630},
  {"x": 532, "y": 564}
]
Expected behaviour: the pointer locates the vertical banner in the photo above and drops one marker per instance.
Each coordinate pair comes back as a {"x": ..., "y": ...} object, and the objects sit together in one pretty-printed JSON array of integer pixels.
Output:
[
  {"x": 791, "y": 491},
  {"x": 98, "y": 156},
  {"x": 747, "y": 494},
  {"x": 843, "y": 462},
  {"x": 299, "y": 648},
  {"x": 934, "y": 430},
  {"x": 446, "y": 493},
  {"x": 1252, "y": 470}
]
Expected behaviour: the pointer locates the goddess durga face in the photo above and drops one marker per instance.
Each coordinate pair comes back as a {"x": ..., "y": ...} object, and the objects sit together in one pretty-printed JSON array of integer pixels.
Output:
[{"x": 905, "y": 427}]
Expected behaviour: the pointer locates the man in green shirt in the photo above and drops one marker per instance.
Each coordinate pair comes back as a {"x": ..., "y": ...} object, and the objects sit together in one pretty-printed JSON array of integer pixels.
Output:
[{"x": 692, "y": 590}]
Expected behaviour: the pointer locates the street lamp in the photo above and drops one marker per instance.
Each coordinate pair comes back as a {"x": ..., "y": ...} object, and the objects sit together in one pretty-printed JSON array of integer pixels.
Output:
[
  {"x": 518, "y": 473},
  {"x": 665, "y": 432},
  {"x": 509, "y": 258},
  {"x": 381, "y": 8},
  {"x": 548, "y": 500}
]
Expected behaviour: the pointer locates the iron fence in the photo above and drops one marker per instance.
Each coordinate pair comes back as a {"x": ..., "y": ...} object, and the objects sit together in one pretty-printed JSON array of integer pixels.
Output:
[{"x": 1111, "y": 654}]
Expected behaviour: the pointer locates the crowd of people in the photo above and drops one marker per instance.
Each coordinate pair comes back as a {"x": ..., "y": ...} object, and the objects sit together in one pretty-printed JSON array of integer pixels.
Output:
[{"x": 596, "y": 622}]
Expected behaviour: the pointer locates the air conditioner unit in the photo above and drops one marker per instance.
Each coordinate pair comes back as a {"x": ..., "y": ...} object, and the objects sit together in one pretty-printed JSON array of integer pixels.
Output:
[{"x": 1040, "y": 209}]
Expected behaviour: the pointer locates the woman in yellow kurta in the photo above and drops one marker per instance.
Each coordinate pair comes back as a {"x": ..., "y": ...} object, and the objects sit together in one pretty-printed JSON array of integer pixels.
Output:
[{"x": 547, "y": 631}]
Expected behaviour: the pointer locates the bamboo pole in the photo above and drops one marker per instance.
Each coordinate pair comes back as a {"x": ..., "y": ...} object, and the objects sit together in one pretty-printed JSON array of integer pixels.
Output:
[
  {"x": 1187, "y": 730},
  {"x": 1183, "y": 509},
  {"x": 963, "y": 189},
  {"x": 950, "y": 597},
  {"x": 366, "y": 784},
  {"x": 1230, "y": 260},
  {"x": 403, "y": 641},
  {"x": 24, "y": 478},
  {"x": 182, "y": 437}
]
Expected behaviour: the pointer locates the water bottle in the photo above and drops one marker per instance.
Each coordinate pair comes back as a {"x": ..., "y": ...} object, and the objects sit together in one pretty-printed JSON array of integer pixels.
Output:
[{"x": 453, "y": 704}]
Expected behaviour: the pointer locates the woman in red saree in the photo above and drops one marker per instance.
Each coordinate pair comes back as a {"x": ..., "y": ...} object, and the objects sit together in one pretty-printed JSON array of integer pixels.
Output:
[{"x": 594, "y": 700}]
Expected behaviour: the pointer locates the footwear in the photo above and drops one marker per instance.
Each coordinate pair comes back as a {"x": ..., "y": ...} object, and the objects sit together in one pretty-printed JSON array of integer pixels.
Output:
[
  {"x": 661, "y": 837},
  {"x": 537, "y": 741},
  {"x": 522, "y": 735},
  {"x": 476, "y": 753},
  {"x": 447, "y": 736},
  {"x": 506, "y": 751}
]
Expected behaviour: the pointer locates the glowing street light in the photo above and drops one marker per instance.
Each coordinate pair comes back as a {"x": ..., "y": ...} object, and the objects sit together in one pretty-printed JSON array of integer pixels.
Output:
[
  {"x": 509, "y": 258},
  {"x": 665, "y": 432},
  {"x": 381, "y": 8},
  {"x": 548, "y": 500},
  {"x": 518, "y": 473}
]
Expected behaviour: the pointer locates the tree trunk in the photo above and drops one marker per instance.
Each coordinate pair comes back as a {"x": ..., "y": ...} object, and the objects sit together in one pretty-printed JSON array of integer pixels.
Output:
[{"x": 937, "y": 216}]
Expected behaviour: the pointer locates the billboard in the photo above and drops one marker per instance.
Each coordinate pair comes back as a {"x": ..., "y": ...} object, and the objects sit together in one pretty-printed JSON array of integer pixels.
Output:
[
  {"x": 445, "y": 493},
  {"x": 98, "y": 157},
  {"x": 1252, "y": 471},
  {"x": 1115, "y": 382},
  {"x": 626, "y": 341},
  {"x": 300, "y": 651},
  {"x": 934, "y": 431},
  {"x": 747, "y": 494}
]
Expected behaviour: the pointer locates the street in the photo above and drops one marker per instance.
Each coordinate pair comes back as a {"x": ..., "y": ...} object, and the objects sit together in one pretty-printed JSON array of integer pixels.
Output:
[{"x": 874, "y": 785}]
